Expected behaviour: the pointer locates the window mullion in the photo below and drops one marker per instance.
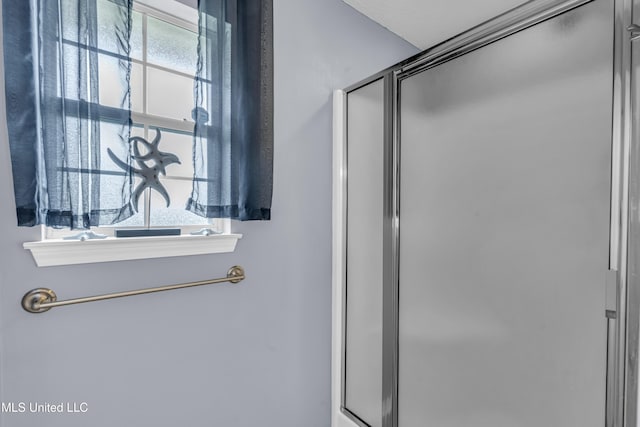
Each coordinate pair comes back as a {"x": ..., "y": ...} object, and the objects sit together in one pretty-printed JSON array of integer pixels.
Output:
[
  {"x": 147, "y": 193},
  {"x": 144, "y": 64}
]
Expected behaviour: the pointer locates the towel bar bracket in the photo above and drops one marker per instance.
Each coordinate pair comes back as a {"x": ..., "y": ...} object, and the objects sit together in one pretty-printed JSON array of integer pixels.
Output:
[{"x": 35, "y": 297}]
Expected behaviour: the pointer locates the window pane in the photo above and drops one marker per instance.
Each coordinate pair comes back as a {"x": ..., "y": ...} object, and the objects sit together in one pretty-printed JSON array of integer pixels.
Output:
[
  {"x": 117, "y": 146},
  {"x": 136, "y": 88},
  {"x": 171, "y": 46},
  {"x": 175, "y": 215},
  {"x": 169, "y": 95},
  {"x": 134, "y": 221},
  {"x": 137, "y": 130},
  {"x": 69, "y": 13},
  {"x": 181, "y": 145},
  {"x": 112, "y": 89},
  {"x": 136, "y": 36},
  {"x": 111, "y": 183},
  {"x": 108, "y": 14}
]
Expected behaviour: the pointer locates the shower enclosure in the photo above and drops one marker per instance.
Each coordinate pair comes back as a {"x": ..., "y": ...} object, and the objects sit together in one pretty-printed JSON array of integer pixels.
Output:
[{"x": 485, "y": 228}]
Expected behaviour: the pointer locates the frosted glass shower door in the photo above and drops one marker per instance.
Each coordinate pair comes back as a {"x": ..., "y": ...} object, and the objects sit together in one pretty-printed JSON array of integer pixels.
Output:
[
  {"x": 504, "y": 221},
  {"x": 364, "y": 252}
]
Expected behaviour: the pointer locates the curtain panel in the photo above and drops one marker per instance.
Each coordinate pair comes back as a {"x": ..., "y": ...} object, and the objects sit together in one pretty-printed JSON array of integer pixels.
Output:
[
  {"x": 60, "y": 133},
  {"x": 53, "y": 50},
  {"x": 233, "y": 136}
]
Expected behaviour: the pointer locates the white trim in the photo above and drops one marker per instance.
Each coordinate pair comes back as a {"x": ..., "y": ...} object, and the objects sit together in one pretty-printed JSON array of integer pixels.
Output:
[
  {"x": 338, "y": 419},
  {"x": 67, "y": 252},
  {"x": 184, "y": 125},
  {"x": 162, "y": 67},
  {"x": 176, "y": 13}
]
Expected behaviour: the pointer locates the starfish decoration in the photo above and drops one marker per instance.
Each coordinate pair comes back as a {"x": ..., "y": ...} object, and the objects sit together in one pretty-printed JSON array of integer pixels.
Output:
[
  {"x": 150, "y": 174},
  {"x": 161, "y": 158}
]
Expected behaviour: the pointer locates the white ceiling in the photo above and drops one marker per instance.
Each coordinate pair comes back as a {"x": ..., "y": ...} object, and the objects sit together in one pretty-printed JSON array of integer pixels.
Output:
[{"x": 425, "y": 23}]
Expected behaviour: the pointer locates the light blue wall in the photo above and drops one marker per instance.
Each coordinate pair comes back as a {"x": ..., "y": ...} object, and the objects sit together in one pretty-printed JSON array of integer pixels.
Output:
[{"x": 255, "y": 354}]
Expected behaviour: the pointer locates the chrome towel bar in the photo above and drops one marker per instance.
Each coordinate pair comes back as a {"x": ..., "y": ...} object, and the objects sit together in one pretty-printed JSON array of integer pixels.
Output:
[{"x": 43, "y": 299}]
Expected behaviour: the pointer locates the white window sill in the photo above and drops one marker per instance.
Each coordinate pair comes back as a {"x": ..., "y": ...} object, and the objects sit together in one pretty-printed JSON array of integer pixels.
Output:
[{"x": 53, "y": 252}]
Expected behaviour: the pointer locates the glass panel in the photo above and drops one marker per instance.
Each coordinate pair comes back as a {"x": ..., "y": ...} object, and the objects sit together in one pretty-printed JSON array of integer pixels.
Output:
[
  {"x": 171, "y": 46},
  {"x": 504, "y": 230},
  {"x": 108, "y": 13},
  {"x": 112, "y": 89},
  {"x": 365, "y": 142},
  {"x": 136, "y": 36},
  {"x": 69, "y": 14},
  {"x": 169, "y": 95},
  {"x": 181, "y": 145},
  {"x": 175, "y": 215},
  {"x": 109, "y": 66},
  {"x": 137, "y": 93},
  {"x": 118, "y": 147},
  {"x": 136, "y": 220},
  {"x": 109, "y": 190}
]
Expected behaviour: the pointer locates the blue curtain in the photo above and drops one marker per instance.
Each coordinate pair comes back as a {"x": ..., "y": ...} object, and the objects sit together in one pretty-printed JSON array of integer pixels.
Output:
[
  {"x": 233, "y": 136},
  {"x": 60, "y": 55},
  {"x": 59, "y": 131}
]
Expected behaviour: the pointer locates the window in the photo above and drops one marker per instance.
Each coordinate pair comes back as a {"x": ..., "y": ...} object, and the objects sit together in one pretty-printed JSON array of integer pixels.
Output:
[
  {"x": 83, "y": 77},
  {"x": 164, "y": 41}
]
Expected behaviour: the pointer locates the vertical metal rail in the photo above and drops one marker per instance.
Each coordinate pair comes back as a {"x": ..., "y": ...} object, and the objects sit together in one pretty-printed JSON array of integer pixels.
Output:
[
  {"x": 622, "y": 345},
  {"x": 343, "y": 243},
  {"x": 611, "y": 369},
  {"x": 615, "y": 380},
  {"x": 630, "y": 231},
  {"x": 390, "y": 257}
]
